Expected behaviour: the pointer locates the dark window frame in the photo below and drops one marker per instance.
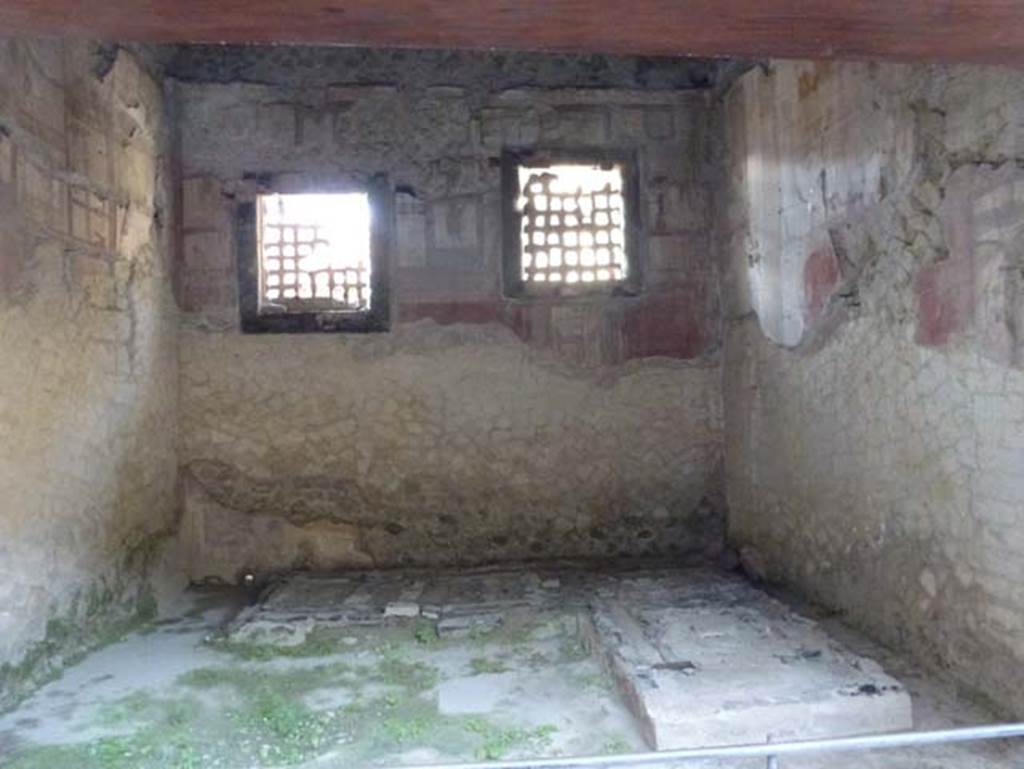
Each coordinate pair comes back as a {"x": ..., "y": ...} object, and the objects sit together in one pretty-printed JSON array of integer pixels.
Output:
[
  {"x": 255, "y": 320},
  {"x": 513, "y": 284}
]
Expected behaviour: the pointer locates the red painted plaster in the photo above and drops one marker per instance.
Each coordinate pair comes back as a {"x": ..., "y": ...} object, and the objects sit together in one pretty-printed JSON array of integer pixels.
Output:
[
  {"x": 821, "y": 276},
  {"x": 945, "y": 300},
  {"x": 672, "y": 325}
]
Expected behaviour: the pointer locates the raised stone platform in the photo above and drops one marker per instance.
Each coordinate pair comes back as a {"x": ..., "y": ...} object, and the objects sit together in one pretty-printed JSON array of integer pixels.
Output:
[
  {"x": 702, "y": 658},
  {"x": 711, "y": 660}
]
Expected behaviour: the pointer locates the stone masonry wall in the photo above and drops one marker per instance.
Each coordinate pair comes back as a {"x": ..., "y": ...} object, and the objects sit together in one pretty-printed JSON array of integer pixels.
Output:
[
  {"x": 88, "y": 384},
  {"x": 479, "y": 428},
  {"x": 874, "y": 397}
]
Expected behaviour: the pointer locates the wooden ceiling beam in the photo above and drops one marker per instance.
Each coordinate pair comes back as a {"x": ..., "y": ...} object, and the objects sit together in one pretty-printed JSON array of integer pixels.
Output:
[{"x": 990, "y": 31}]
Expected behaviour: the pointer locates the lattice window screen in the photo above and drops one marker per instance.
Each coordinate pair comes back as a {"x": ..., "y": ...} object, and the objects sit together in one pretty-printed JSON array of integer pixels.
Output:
[
  {"x": 314, "y": 252},
  {"x": 573, "y": 224}
]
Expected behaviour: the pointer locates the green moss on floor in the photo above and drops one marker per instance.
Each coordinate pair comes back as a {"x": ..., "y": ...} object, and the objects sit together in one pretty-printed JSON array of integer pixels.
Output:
[
  {"x": 249, "y": 680},
  {"x": 496, "y": 741},
  {"x": 349, "y": 697},
  {"x": 260, "y": 717},
  {"x": 615, "y": 744}
]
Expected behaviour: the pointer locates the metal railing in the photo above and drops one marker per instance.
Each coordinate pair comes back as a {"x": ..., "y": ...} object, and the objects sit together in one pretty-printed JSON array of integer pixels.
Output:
[{"x": 772, "y": 752}]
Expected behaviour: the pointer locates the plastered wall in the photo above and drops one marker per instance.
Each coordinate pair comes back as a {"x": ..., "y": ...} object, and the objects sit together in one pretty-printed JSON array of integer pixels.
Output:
[
  {"x": 868, "y": 220},
  {"x": 479, "y": 428},
  {"x": 874, "y": 398},
  {"x": 88, "y": 381}
]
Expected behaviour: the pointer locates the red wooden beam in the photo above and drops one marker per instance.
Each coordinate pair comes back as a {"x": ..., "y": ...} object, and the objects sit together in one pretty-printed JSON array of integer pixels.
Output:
[{"x": 942, "y": 30}]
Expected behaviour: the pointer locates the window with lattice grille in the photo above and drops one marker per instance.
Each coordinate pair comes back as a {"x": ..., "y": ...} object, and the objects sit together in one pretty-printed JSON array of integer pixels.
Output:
[
  {"x": 313, "y": 261},
  {"x": 314, "y": 252},
  {"x": 571, "y": 228}
]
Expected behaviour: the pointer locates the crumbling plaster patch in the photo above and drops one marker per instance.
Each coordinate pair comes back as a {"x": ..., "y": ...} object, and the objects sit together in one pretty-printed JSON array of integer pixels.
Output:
[
  {"x": 877, "y": 465},
  {"x": 442, "y": 445}
]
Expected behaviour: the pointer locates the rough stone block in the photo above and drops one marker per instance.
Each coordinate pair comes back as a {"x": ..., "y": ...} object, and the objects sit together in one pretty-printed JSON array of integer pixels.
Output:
[{"x": 402, "y": 609}]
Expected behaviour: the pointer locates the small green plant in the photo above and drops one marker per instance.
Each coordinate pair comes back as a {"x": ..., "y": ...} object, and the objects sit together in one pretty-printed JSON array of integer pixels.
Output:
[
  {"x": 614, "y": 745},
  {"x": 497, "y": 741},
  {"x": 401, "y": 730},
  {"x": 411, "y": 676},
  {"x": 425, "y": 634}
]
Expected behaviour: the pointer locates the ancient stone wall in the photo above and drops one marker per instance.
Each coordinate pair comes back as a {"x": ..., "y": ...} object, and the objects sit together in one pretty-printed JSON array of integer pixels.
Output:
[
  {"x": 88, "y": 381},
  {"x": 480, "y": 428},
  {"x": 874, "y": 397}
]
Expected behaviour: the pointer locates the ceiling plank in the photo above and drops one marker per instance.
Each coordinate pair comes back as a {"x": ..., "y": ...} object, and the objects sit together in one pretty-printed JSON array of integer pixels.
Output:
[{"x": 990, "y": 31}]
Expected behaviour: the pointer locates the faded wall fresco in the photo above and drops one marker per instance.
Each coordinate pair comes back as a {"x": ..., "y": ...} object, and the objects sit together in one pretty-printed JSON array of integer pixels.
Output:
[
  {"x": 480, "y": 428},
  {"x": 876, "y": 228}
]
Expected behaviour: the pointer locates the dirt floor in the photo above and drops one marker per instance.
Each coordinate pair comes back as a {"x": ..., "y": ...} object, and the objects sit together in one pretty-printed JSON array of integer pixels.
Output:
[{"x": 368, "y": 671}]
